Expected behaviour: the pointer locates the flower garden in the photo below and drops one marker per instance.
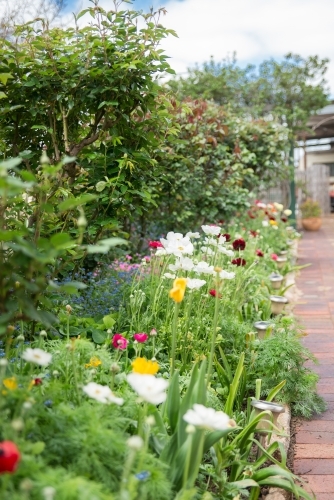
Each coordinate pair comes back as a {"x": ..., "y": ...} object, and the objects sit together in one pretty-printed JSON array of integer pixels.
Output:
[
  {"x": 155, "y": 400},
  {"x": 147, "y": 345}
]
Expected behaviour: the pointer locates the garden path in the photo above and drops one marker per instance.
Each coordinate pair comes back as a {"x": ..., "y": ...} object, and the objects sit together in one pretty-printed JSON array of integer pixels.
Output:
[{"x": 314, "y": 449}]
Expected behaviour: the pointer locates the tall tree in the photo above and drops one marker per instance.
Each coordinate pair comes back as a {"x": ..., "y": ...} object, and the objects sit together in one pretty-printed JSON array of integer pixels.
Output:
[{"x": 288, "y": 90}]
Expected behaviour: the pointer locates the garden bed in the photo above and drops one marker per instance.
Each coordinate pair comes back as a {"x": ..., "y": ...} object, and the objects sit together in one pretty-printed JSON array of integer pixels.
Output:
[{"x": 159, "y": 398}]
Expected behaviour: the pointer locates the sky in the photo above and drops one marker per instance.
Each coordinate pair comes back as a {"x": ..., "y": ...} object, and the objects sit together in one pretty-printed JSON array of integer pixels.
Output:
[{"x": 254, "y": 29}]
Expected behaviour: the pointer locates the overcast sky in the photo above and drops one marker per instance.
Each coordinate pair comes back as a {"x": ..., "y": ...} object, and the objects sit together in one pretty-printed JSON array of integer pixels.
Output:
[{"x": 254, "y": 29}]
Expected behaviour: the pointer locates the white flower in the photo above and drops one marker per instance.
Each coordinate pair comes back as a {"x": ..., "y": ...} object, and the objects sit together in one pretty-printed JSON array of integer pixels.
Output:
[
  {"x": 274, "y": 227},
  {"x": 211, "y": 241},
  {"x": 207, "y": 418},
  {"x": 203, "y": 267},
  {"x": 278, "y": 206},
  {"x": 207, "y": 250},
  {"x": 261, "y": 205},
  {"x": 37, "y": 356},
  {"x": 193, "y": 235},
  {"x": 160, "y": 252},
  {"x": 177, "y": 244},
  {"x": 211, "y": 230},
  {"x": 101, "y": 393},
  {"x": 224, "y": 250},
  {"x": 169, "y": 275},
  {"x": 184, "y": 263},
  {"x": 287, "y": 212},
  {"x": 265, "y": 223},
  {"x": 135, "y": 443},
  {"x": 226, "y": 276},
  {"x": 148, "y": 387},
  {"x": 195, "y": 284}
]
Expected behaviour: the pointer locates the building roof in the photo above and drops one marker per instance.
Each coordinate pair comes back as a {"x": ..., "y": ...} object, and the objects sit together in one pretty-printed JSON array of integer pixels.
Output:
[{"x": 321, "y": 124}]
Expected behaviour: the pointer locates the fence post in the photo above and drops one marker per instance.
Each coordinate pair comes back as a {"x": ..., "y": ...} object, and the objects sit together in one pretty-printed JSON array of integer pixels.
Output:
[{"x": 292, "y": 184}]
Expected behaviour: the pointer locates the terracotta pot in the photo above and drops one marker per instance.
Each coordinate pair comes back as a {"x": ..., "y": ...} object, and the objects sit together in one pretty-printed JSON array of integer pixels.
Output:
[{"x": 312, "y": 223}]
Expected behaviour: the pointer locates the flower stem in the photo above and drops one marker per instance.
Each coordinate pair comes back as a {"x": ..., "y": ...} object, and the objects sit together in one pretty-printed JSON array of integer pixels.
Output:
[
  {"x": 174, "y": 335},
  {"x": 214, "y": 333}
]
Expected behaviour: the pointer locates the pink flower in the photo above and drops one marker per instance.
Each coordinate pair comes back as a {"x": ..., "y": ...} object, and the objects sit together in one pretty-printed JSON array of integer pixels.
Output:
[
  {"x": 155, "y": 244},
  {"x": 274, "y": 256},
  {"x": 153, "y": 332},
  {"x": 140, "y": 337},
  {"x": 119, "y": 342}
]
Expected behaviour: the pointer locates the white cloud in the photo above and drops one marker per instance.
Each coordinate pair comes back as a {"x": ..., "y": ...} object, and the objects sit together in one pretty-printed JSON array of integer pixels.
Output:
[{"x": 255, "y": 29}]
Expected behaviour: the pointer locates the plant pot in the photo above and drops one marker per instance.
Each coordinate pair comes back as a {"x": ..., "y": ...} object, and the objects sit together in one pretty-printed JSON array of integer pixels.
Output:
[
  {"x": 281, "y": 261},
  {"x": 276, "y": 280},
  {"x": 278, "y": 303},
  {"x": 283, "y": 252},
  {"x": 262, "y": 328},
  {"x": 312, "y": 223}
]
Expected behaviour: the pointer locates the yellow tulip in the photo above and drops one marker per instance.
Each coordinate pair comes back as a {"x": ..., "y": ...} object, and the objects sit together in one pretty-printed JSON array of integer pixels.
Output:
[{"x": 178, "y": 290}]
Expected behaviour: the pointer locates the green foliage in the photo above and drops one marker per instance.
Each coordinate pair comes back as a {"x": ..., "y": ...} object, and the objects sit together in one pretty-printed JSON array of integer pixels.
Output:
[
  {"x": 283, "y": 357},
  {"x": 89, "y": 93},
  {"x": 33, "y": 247},
  {"x": 214, "y": 164},
  {"x": 310, "y": 208},
  {"x": 289, "y": 90}
]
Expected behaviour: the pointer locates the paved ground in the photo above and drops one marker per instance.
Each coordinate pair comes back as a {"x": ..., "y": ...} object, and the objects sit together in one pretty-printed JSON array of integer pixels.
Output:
[{"x": 314, "y": 451}]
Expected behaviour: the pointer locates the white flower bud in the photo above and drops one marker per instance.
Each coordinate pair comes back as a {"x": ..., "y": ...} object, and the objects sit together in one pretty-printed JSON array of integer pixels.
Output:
[
  {"x": 135, "y": 443},
  {"x": 17, "y": 424}
]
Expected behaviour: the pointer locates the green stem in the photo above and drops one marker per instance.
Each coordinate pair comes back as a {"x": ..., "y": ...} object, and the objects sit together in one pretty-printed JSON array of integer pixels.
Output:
[
  {"x": 214, "y": 333},
  {"x": 174, "y": 335},
  {"x": 187, "y": 462}
]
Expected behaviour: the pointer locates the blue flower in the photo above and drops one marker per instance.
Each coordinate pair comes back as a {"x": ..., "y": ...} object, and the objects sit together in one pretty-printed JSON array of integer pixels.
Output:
[{"x": 143, "y": 475}]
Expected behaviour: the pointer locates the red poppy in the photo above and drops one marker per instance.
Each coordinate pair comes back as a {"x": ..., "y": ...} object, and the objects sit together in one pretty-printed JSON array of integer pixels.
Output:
[
  {"x": 259, "y": 253},
  {"x": 271, "y": 217},
  {"x": 226, "y": 236},
  {"x": 155, "y": 244},
  {"x": 284, "y": 219},
  {"x": 239, "y": 244},
  {"x": 213, "y": 293},
  {"x": 38, "y": 381},
  {"x": 250, "y": 214},
  {"x": 239, "y": 262},
  {"x": 253, "y": 233},
  {"x": 274, "y": 256},
  {"x": 9, "y": 456},
  {"x": 119, "y": 342}
]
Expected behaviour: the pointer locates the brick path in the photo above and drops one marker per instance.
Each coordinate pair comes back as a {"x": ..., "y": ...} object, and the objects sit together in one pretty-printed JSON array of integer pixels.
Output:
[{"x": 314, "y": 450}]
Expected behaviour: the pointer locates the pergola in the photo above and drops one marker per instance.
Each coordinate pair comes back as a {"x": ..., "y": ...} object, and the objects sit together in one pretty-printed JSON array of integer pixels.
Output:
[{"x": 321, "y": 125}]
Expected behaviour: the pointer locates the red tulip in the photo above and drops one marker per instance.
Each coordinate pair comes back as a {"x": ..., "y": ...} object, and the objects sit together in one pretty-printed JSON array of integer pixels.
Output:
[{"x": 9, "y": 456}]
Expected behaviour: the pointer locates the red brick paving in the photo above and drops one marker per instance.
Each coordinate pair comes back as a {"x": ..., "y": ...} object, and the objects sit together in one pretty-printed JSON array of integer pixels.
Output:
[{"x": 314, "y": 450}]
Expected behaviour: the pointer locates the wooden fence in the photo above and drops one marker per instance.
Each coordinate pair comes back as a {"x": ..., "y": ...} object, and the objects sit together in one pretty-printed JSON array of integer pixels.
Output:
[{"x": 314, "y": 183}]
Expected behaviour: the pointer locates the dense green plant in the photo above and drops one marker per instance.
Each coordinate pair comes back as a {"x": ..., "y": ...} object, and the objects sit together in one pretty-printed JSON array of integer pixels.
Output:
[
  {"x": 310, "y": 208},
  {"x": 282, "y": 356},
  {"x": 90, "y": 93},
  {"x": 34, "y": 249},
  {"x": 290, "y": 90},
  {"x": 217, "y": 160}
]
